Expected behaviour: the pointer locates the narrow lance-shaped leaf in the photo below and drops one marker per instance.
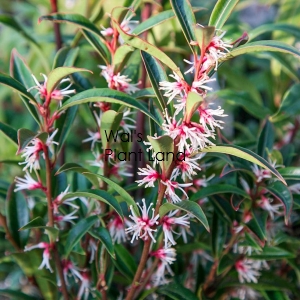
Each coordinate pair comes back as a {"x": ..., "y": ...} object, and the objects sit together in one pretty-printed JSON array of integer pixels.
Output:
[
  {"x": 204, "y": 35},
  {"x": 9, "y": 132},
  {"x": 77, "y": 232},
  {"x": 138, "y": 43},
  {"x": 244, "y": 154},
  {"x": 187, "y": 206},
  {"x": 186, "y": 18},
  {"x": 262, "y": 46},
  {"x": 156, "y": 75},
  {"x": 106, "y": 95},
  {"x": 193, "y": 101},
  {"x": 110, "y": 122},
  {"x": 266, "y": 139},
  {"x": 221, "y": 12}
]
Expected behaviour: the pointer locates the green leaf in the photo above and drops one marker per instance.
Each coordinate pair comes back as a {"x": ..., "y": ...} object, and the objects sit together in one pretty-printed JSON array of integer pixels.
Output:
[
  {"x": 266, "y": 140},
  {"x": 16, "y": 295},
  {"x": 176, "y": 291},
  {"x": 138, "y": 43},
  {"x": 263, "y": 46},
  {"x": 258, "y": 225},
  {"x": 204, "y": 36},
  {"x": 289, "y": 28},
  {"x": 20, "y": 72},
  {"x": 289, "y": 106},
  {"x": 9, "y": 132},
  {"x": 76, "y": 19},
  {"x": 218, "y": 235},
  {"x": 185, "y": 16},
  {"x": 124, "y": 261},
  {"x": 39, "y": 223},
  {"x": 193, "y": 101},
  {"x": 156, "y": 75},
  {"x": 100, "y": 196},
  {"x": 244, "y": 154},
  {"x": 11, "y": 22},
  {"x": 94, "y": 179},
  {"x": 282, "y": 193},
  {"x": 17, "y": 215},
  {"x": 106, "y": 95},
  {"x": 153, "y": 21},
  {"x": 103, "y": 235},
  {"x": 144, "y": 93},
  {"x": 245, "y": 100},
  {"x": 221, "y": 12},
  {"x": 60, "y": 73},
  {"x": 110, "y": 122},
  {"x": 78, "y": 231},
  {"x": 216, "y": 189},
  {"x": 15, "y": 85},
  {"x": 188, "y": 206},
  {"x": 120, "y": 56},
  {"x": 290, "y": 173},
  {"x": 270, "y": 253},
  {"x": 163, "y": 146},
  {"x": 25, "y": 136}
]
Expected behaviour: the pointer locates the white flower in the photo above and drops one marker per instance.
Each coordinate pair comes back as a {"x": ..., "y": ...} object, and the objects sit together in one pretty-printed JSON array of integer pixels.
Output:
[
  {"x": 27, "y": 183},
  {"x": 84, "y": 289},
  {"x": 124, "y": 124},
  {"x": 201, "y": 83},
  {"x": 248, "y": 270},
  {"x": 261, "y": 174},
  {"x": 46, "y": 254},
  {"x": 117, "y": 81},
  {"x": 98, "y": 162},
  {"x": 142, "y": 227},
  {"x": 265, "y": 203},
  {"x": 150, "y": 176},
  {"x": 172, "y": 89},
  {"x": 94, "y": 138},
  {"x": 170, "y": 190},
  {"x": 169, "y": 221},
  {"x": 31, "y": 153},
  {"x": 68, "y": 266},
  {"x": 56, "y": 94},
  {"x": 59, "y": 200},
  {"x": 66, "y": 218},
  {"x": 116, "y": 227},
  {"x": 203, "y": 182},
  {"x": 166, "y": 255}
]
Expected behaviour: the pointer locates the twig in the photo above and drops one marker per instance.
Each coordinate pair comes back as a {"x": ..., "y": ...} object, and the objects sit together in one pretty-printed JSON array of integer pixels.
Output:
[{"x": 58, "y": 39}]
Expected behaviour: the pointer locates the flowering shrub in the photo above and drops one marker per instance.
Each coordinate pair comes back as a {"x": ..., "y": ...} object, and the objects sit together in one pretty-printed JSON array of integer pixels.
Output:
[{"x": 123, "y": 184}]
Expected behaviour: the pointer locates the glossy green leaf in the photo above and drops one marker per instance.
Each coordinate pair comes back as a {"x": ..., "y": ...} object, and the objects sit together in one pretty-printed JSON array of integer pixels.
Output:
[
  {"x": 244, "y": 154},
  {"x": 163, "y": 147},
  {"x": 99, "y": 195},
  {"x": 94, "y": 179},
  {"x": 204, "y": 36},
  {"x": 76, "y": 19},
  {"x": 20, "y": 71},
  {"x": 156, "y": 75},
  {"x": 120, "y": 56},
  {"x": 270, "y": 253},
  {"x": 221, "y": 13},
  {"x": 290, "y": 173},
  {"x": 25, "y": 136},
  {"x": 187, "y": 206},
  {"x": 193, "y": 101},
  {"x": 289, "y": 106},
  {"x": 184, "y": 14},
  {"x": 263, "y": 46},
  {"x": 176, "y": 291},
  {"x": 144, "y": 93},
  {"x": 124, "y": 261},
  {"x": 78, "y": 231},
  {"x": 10, "y": 132},
  {"x": 138, "y": 43},
  {"x": 289, "y": 28},
  {"x": 65, "y": 56},
  {"x": 215, "y": 189},
  {"x": 39, "y": 223},
  {"x": 257, "y": 225},
  {"x": 110, "y": 122},
  {"x": 16, "y": 85},
  {"x": 153, "y": 21},
  {"x": 103, "y": 235},
  {"x": 283, "y": 194},
  {"x": 17, "y": 215},
  {"x": 106, "y": 95},
  {"x": 13, "y": 294},
  {"x": 266, "y": 140},
  {"x": 60, "y": 73},
  {"x": 218, "y": 235}
]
